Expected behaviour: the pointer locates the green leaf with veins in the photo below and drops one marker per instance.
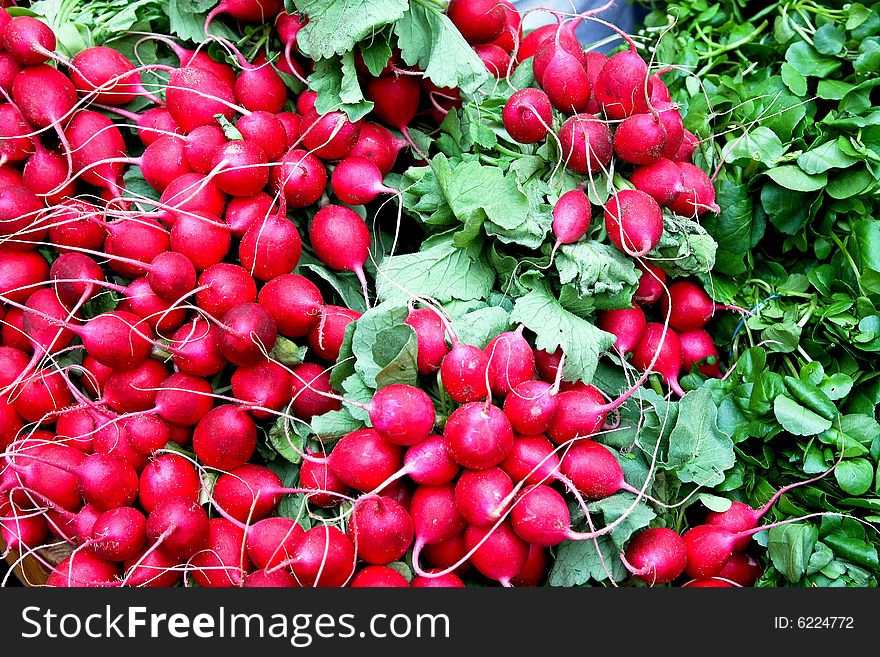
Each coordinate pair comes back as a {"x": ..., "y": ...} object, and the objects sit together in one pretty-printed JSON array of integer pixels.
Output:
[
  {"x": 335, "y": 26},
  {"x": 597, "y": 270},
  {"x": 335, "y": 424},
  {"x": 479, "y": 326},
  {"x": 396, "y": 352},
  {"x": 790, "y": 548},
  {"x": 336, "y": 83},
  {"x": 578, "y": 562},
  {"x": 615, "y": 507},
  {"x": 797, "y": 419},
  {"x": 699, "y": 451},
  {"x": 685, "y": 248},
  {"x": 554, "y": 326}
]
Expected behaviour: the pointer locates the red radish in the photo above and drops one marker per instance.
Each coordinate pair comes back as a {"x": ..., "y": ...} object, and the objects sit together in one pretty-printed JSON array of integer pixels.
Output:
[
  {"x": 71, "y": 226},
  {"x": 44, "y": 95},
  {"x": 563, "y": 40},
  {"x": 46, "y": 174},
  {"x": 301, "y": 177},
  {"x": 699, "y": 194},
  {"x": 711, "y": 583},
  {"x": 541, "y": 517},
  {"x": 118, "y": 534},
  {"x": 294, "y": 302},
  {"x": 305, "y": 102},
  {"x": 512, "y": 34},
  {"x": 656, "y": 556},
  {"x": 634, "y": 222},
  {"x": 363, "y": 460},
  {"x": 528, "y": 115},
  {"x": 194, "y": 96},
  {"x": 449, "y": 553},
  {"x": 128, "y": 391},
  {"x": 29, "y": 40},
  {"x": 106, "y": 76},
  {"x": 225, "y": 437},
  {"x": 323, "y": 557},
  {"x": 96, "y": 148},
  {"x": 22, "y": 531},
  {"x": 153, "y": 569},
  {"x": 622, "y": 83},
  {"x": 330, "y": 136},
  {"x": 534, "y": 570},
  {"x": 640, "y": 139},
  {"x": 533, "y": 40},
  {"x": 317, "y": 476},
  {"x": 204, "y": 239},
  {"x": 463, "y": 373},
  {"x": 9, "y": 68},
  {"x": 19, "y": 270},
  {"x": 742, "y": 569},
  {"x": 156, "y": 312},
  {"x": 401, "y": 414},
  {"x": 501, "y": 554},
  {"x": 448, "y": 580},
  {"x": 661, "y": 345},
  {"x": 265, "y": 130},
  {"x": 223, "y": 562},
  {"x": 270, "y": 579},
  {"x": 671, "y": 119},
  {"x": 246, "y": 11},
  {"x": 396, "y": 101},
  {"x": 434, "y": 515},
  {"x": 287, "y": 26},
  {"x": 41, "y": 396},
  {"x": 46, "y": 335},
  {"x": 165, "y": 476},
  {"x": 341, "y": 239},
  {"x": 531, "y": 460},
  {"x": 13, "y": 334},
  {"x": 495, "y": 58},
  {"x": 691, "y": 308},
  {"x": 201, "y": 144},
  {"x": 431, "y": 335},
  {"x": 248, "y": 334},
  {"x": 659, "y": 92},
  {"x": 154, "y": 123},
  {"x": 651, "y": 284},
  {"x": 380, "y": 529},
  {"x": 192, "y": 192},
  {"x": 325, "y": 337},
  {"x": 179, "y": 526},
  {"x": 480, "y": 495},
  {"x": 530, "y": 407},
  {"x": 563, "y": 77},
  {"x": 310, "y": 392},
  {"x": 242, "y": 168},
  {"x": 184, "y": 399},
  {"x": 510, "y": 361},
  {"x": 571, "y": 217},
  {"x": 82, "y": 569},
  {"x": 51, "y": 470},
  {"x": 357, "y": 180},
  {"x": 247, "y": 493},
  {"x": 429, "y": 463},
  {"x": 586, "y": 144},
  {"x": 265, "y": 384},
  {"x": 10, "y": 176},
  {"x": 146, "y": 433},
  {"x": 689, "y": 144},
  {"x": 479, "y": 435},
  {"x": 76, "y": 427},
  {"x": 479, "y": 21},
  {"x": 377, "y": 144},
  {"x": 223, "y": 287},
  {"x": 14, "y": 145},
  {"x": 698, "y": 348},
  {"x": 271, "y": 541},
  {"x": 580, "y": 412},
  {"x": 271, "y": 247},
  {"x": 106, "y": 482},
  {"x": 662, "y": 180},
  {"x": 242, "y": 213},
  {"x": 258, "y": 87},
  {"x": 626, "y": 324},
  {"x": 594, "y": 62}
]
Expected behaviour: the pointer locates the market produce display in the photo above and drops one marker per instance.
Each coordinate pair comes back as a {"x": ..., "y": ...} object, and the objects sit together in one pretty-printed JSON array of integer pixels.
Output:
[{"x": 313, "y": 293}]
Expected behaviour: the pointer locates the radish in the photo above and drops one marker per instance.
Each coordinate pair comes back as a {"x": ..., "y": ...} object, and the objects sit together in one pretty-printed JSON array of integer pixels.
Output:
[
  {"x": 248, "y": 333},
  {"x": 656, "y": 556},
  {"x": 194, "y": 96},
  {"x": 593, "y": 63},
  {"x": 246, "y": 493},
  {"x": 463, "y": 373},
  {"x": 19, "y": 270},
  {"x": 118, "y": 534},
  {"x": 535, "y": 568},
  {"x": 196, "y": 350},
  {"x": 225, "y": 438},
  {"x": 563, "y": 41},
  {"x": 479, "y": 435},
  {"x": 258, "y": 87},
  {"x": 41, "y": 396},
  {"x": 378, "y": 576},
  {"x": 634, "y": 222},
  {"x": 152, "y": 569},
  {"x": 501, "y": 554},
  {"x": 96, "y": 146},
  {"x": 71, "y": 226},
  {"x": 641, "y": 139},
  {"x": 341, "y": 239},
  {"x": 203, "y": 238},
  {"x": 496, "y": 60},
  {"x": 9, "y": 68},
  {"x": 671, "y": 119},
  {"x": 429, "y": 462},
  {"x": 265, "y": 384},
  {"x": 571, "y": 217},
  {"x": 294, "y": 302},
  {"x": 357, "y": 180},
  {"x": 712, "y": 582},
  {"x": 242, "y": 213},
  {"x": 48, "y": 469},
  {"x": 698, "y": 348},
  {"x": 330, "y": 136},
  {"x": 380, "y": 529},
  {"x": 662, "y": 180},
  {"x": 178, "y": 526},
  {"x": 266, "y": 131},
  {"x": 622, "y": 84},
  {"x": 401, "y": 414},
  {"x": 146, "y": 433},
  {"x": 512, "y": 34},
  {"x": 323, "y": 556},
  {"x": 305, "y": 102},
  {"x": 691, "y": 307},
  {"x": 301, "y": 177},
  {"x": 481, "y": 496},
  {"x": 154, "y": 123},
  {"x": 46, "y": 174},
  {"x": 310, "y": 392},
  {"x": 742, "y": 569},
  {"x": 45, "y": 334},
  {"x": 510, "y": 361},
  {"x": 165, "y": 476},
  {"x": 651, "y": 284},
  {"x": 626, "y": 324},
  {"x": 317, "y": 476},
  {"x": 287, "y": 26},
  {"x": 530, "y": 407},
  {"x": 541, "y": 517},
  {"x": 533, "y": 40},
  {"x": 271, "y": 541},
  {"x": 246, "y": 11},
  {"x": 377, "y": 144},
  {"x": 527, "y": 115},
  {"x": 223, "y": 562},
  {"x": 271, "y": 247},
  {"x": 22, "y": 531},
  {"x": 224, "y": 286},
  {"x": 82, "y": 569},
  {"x": 325, "y": 337},
  {"x": 106, "y": 76},
  {"x": 447, "y": 580},
  {"x": 132, "y": 390},
  {"x": 532, "y": 460},
  {"x": 431, "y": 335},
  {"x": 200, "y": 145},
  {"x": 363, "y": 460},
  {"x": 563, "y": 77},
  {"x": 29, "y": 40},
  {"x": 663, "y": 347},
  {"x": 689, "y": 144},
  {"x": 191, "y": 192},
  {"x": 699, "y": 194},
  {"x": 183, "y": 399},
  {"x": 587, "y": 145},
  {"x": 270, "y": 579},
  {"x": 44, "y": 95},
  {"x": 479, "y": 21},
  {"x": 14, "y": 144},
  {"x": 242, "y": 168},
  {"x": 435, "y": 517},
  {"x": 395, "y": 102}
]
